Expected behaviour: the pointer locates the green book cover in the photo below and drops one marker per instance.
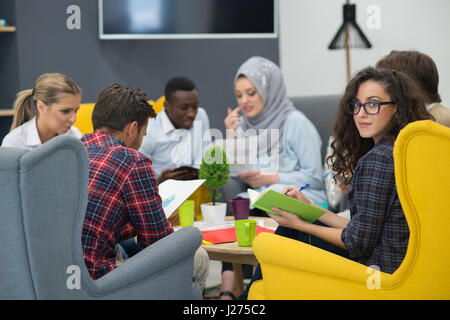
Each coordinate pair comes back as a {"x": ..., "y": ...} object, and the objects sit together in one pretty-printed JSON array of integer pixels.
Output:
[{"x": 271, "y": 198}]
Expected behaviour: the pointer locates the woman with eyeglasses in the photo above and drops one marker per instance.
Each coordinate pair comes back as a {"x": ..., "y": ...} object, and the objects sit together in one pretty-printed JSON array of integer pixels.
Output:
[{"x": 376, "y": 105}]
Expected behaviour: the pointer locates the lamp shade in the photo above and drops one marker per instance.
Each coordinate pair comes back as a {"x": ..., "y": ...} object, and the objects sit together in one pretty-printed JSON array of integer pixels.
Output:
[{"x": 356, "y": 38}]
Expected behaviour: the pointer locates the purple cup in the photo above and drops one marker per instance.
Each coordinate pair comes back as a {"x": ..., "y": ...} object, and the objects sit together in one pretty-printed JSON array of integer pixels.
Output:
[{"x": 240, "y": 208}]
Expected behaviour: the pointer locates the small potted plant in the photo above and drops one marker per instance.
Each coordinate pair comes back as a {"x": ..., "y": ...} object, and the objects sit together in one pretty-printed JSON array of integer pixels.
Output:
[{"x": 215, "y": 170}]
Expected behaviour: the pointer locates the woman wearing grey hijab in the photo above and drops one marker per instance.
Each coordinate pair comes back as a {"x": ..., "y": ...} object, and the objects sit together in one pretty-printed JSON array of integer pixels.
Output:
[{"x": 288, "y": 143}]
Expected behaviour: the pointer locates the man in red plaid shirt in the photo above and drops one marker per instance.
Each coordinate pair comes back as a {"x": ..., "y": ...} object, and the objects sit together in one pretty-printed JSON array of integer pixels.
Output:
[{"x": 123, "y": 190}]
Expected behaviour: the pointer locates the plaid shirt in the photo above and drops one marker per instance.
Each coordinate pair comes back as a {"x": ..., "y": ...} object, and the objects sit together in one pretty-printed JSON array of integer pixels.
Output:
[
  {"x": 377, "y": 233},
  {"x": 123, "y": 201}
]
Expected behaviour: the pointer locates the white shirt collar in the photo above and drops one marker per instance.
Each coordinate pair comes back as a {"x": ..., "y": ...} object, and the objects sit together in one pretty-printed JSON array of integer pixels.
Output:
[
  {"x": 167, "y": 125},
  {"x": 32, "y": 138},
  {"x": 431, "y": 105}
]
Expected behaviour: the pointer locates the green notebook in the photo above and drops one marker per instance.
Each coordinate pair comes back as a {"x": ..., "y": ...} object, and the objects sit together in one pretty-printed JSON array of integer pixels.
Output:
[{"x": 271, "y": 198}]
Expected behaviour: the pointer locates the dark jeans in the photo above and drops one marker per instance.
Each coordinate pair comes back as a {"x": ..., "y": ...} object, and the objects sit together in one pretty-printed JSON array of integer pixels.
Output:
[
  {"x": 129, "y": 248},
  {"x": 300, "y": 236}
]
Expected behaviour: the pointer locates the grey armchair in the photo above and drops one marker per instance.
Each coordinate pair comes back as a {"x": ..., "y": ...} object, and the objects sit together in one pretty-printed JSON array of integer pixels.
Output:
[
  {"x": 43, "y": 196},
  {"x": 322, "y": 111}
]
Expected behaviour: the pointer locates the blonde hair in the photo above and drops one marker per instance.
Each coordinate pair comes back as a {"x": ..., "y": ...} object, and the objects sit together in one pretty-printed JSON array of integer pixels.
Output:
[{"x": 48, "y": 88}]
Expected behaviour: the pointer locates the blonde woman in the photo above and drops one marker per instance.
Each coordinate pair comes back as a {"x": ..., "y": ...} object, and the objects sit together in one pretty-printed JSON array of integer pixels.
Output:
[{"x": 48, "y": 110}]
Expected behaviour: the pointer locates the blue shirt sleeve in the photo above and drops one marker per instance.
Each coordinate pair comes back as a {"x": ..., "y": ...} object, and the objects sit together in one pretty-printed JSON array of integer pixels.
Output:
[{"x": 301, "y": 142}]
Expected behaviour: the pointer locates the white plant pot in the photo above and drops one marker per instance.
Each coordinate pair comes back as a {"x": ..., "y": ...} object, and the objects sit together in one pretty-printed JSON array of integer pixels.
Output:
[{"x": 214, "y": 214}]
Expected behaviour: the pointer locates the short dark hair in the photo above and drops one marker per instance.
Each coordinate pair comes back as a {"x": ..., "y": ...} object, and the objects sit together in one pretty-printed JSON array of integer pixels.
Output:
[
  {"x": 118, "y": 106},
  {"x": 419, "y": 66},
  {"x": 178, "y": 84}
]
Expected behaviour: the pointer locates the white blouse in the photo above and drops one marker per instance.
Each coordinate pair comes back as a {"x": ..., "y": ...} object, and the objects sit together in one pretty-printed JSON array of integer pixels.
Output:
[{"x": 26, "y": 136}]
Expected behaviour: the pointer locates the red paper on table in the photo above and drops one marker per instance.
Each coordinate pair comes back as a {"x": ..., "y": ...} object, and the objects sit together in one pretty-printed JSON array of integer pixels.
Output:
[{"x": 228, "y": 234}]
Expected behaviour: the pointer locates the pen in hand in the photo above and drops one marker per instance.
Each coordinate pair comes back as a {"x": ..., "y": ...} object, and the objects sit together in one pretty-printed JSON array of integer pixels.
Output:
[{"x": 306, "y": 186}]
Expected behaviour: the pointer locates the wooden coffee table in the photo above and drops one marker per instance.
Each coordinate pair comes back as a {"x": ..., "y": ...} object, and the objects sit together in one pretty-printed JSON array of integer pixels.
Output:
[{"x": 231, "y": 252}]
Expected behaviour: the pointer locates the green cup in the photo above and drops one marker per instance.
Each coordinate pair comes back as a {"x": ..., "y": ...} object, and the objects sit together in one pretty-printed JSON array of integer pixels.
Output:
[
  {"x": 186, "y": 212},
  {"x": 245, "y": 232}
]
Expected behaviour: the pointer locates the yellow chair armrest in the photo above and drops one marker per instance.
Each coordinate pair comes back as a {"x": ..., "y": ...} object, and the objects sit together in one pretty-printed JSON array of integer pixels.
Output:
[
  {"x": 289, "y": 265},
  {"x": 257, "y": 291},
  {"x": 275, "y": 249}
]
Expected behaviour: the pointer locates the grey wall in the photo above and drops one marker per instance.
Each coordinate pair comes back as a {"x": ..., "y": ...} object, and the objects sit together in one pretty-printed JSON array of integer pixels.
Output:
[{"x": 45, "y": 44}]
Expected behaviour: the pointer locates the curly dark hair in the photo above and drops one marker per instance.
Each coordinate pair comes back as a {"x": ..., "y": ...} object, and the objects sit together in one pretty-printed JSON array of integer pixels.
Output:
[
  {"x": 348, "y": 146},
  {"x": 117, "y": 106}
]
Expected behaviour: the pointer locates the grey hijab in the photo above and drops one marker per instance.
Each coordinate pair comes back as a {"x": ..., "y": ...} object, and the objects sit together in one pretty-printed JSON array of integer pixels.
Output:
[{"x": 268, "y": 80}]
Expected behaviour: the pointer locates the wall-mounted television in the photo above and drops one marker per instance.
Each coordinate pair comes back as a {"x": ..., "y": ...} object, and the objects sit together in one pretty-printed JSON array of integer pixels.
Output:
[{"x": 191, "y": 19}]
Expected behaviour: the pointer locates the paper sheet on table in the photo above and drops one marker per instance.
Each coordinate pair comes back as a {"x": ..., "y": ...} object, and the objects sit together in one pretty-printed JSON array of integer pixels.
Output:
[
  {"x": 204, "y": 226},
  {"x": 225, "y": 232},
  {"x": 174, "y": 192},
  {"x": 227, "y": 235}
]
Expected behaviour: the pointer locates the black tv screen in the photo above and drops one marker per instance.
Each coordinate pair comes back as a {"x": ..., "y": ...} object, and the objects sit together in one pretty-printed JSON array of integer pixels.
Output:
[{"x": 165, "y": 19}]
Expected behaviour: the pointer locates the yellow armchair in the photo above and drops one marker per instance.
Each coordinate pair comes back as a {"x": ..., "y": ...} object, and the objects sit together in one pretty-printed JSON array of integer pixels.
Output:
[
  {"x": 84, "y": 114},
  {"x": 294, "y": 270},
  {"x": 158, "y": 105}
]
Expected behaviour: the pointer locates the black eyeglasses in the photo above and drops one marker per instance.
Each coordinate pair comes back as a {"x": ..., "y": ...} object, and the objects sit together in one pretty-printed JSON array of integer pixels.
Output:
[{"x": 371, "y": 107}]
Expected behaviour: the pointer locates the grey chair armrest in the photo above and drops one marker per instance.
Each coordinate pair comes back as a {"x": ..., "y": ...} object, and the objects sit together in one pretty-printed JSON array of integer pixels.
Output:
[{"x": 159, "y": 256}]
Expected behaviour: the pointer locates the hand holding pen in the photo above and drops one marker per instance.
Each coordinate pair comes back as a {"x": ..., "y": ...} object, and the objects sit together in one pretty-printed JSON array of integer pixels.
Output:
[
  {"x": 294, "y": 193},
  {"x": 306, "y": 186}
]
